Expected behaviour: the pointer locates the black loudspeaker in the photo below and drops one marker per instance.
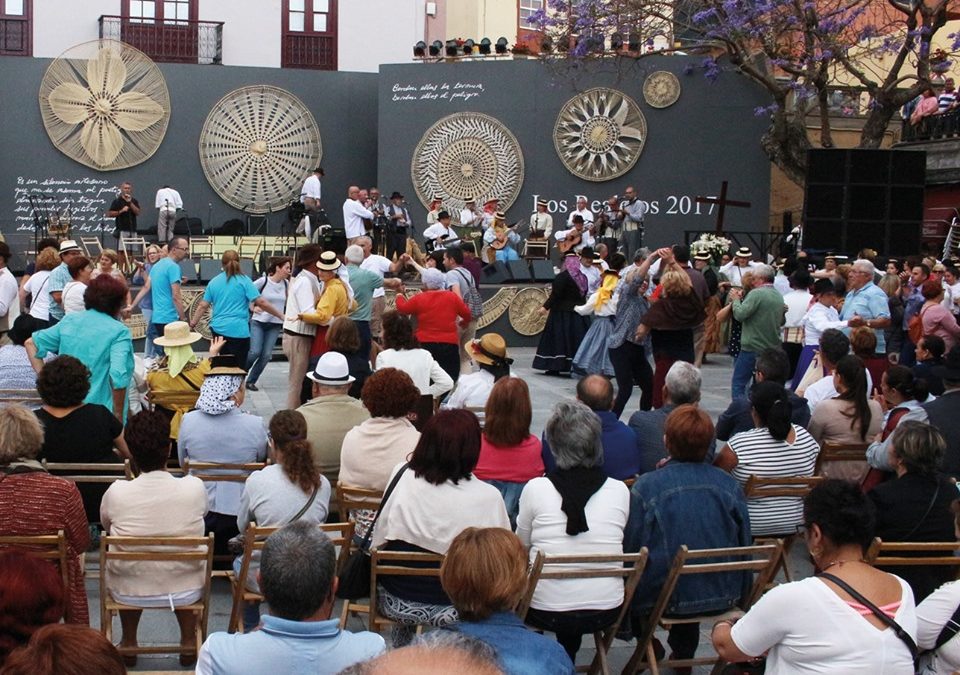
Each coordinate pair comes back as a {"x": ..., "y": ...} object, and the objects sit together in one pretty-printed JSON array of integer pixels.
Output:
[
  {"x": 519, "y": 270},
  {"x": 209, "y": 268},
  {"x": 543, "y": 270},
  {"x": 864, "y": 198},
  {"x": 495, "y": 273}
]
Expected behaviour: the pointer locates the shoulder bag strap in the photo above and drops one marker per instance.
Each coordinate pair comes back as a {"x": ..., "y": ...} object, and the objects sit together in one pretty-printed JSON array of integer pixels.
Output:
[
  {"x": 365, "y": 544},
  {"x": 933, "y": 500},
  {"x": 306, "y": 507},
  {"x": 877, "y": 612},
  {"x": 33, "y": 300},
  {"x": 951, "y": 628}
]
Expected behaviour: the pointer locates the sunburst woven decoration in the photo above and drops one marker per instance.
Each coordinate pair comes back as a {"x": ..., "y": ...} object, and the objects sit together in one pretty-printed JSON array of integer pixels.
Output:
[
  {"x": 599, "y": 134},
  {"x": 257, "y": 146},
  {"x": 105, "y": 104},
  {"x": 467, "y": 155}
]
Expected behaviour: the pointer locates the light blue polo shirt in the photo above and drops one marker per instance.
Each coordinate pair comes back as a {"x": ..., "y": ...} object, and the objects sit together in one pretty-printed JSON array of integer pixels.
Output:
[
  {"x": 869, "y": 302},
  {"x": 364, "y": 283},
  {"x": 164, "y": 274},
  {"x": 231, "y": 298}
]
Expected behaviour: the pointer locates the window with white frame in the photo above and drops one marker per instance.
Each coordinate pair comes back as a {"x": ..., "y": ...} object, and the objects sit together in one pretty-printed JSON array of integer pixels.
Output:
[{"x": 527, "y": 8}]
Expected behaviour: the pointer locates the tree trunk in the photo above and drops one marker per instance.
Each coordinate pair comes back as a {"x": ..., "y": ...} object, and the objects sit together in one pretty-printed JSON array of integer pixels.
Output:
[
  {"x": 875, "y": 126},
  {"x": 785, "y": 144}
]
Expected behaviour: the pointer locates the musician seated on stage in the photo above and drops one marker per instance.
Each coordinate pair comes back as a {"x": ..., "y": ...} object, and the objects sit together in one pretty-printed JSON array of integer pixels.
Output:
[
  {"x": 575, "y": 238},
  {"x": 502, "y": 239},
  {"x": 440, "y": 235}
]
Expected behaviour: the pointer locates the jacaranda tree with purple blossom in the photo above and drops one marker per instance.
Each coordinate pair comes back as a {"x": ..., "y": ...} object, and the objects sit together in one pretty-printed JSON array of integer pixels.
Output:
[{"x": 795, "y": 49}]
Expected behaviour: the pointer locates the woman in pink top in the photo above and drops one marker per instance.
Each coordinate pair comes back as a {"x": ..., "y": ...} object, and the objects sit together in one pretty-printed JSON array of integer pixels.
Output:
[
  {"x": 937, "y": 319},
  {"x": 509, "y": 453}
]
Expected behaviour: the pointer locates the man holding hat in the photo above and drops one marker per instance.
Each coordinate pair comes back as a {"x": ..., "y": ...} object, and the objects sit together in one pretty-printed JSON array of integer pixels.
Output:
[
  {"x": 399, "y": 225},
  {"x": 331, "y": 412},
  {"x": 60, "y": 277},
  {"x": 541, "y": 222},
  {"x": 741, "y": 264}
]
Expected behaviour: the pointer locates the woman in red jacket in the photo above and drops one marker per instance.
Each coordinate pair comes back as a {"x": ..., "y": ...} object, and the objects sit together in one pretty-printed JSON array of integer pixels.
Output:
[{"x": 437, "y": 310}]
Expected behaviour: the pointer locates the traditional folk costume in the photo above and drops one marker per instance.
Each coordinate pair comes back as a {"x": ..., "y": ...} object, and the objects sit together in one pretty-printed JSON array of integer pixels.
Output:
[
  {"x": 565, "y": 329},
  {"x": 593, "y": 357}
]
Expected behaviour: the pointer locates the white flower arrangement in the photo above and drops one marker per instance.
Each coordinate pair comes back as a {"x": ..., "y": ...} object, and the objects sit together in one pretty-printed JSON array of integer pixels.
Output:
[{"x": 713, "y": 244}]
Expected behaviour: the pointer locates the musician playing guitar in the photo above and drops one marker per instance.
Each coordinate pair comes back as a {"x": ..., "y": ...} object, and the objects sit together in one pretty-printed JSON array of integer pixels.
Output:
[
  {"x": 575, "y": 238},
  {"x": 440, "y": 235},
  {"x": 502, "y": 240}
]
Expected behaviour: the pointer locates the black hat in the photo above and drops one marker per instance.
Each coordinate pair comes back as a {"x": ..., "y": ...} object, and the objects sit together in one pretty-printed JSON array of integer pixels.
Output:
[
  {"x": 950, "y": 368},
  {"x": 542, "y": 202},
  {"x": 396, "y": 195},
  {"x": 586, "y": 252},
  {"x": 224, "y": 364}
]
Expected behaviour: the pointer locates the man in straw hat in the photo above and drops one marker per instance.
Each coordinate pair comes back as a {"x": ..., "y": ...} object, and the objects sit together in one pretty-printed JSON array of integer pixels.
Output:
[
  {"x": 741, "y": 264},
  {"x": 490, "y": 354},
  {"x": 400, "y": 226},
  {"x": 541, "y": 222},
  {"x": 469, "y": 215},
  {"x": 331, "y": 412},
  {"x": 60, "y": 277}
]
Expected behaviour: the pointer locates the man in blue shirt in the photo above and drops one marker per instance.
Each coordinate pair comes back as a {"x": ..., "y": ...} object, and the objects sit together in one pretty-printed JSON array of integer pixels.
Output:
[
  {"x": 621, "y": 455},
  {"x": 298, "y": 579},
  {"x": 364, "y": 283},
  {"x": 60, "y": 277},
  {"x": 866, "y": 303},
  {"x": 164, "y": 286}
]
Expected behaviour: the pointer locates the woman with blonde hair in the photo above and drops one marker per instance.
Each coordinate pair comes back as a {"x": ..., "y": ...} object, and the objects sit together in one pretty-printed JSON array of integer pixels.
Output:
[
  {"x": 670, "y": 321},
  {"x": 107, "y": 264},
  {"x": 230, "y": 293},
  {"x": 36, "y": 286}
]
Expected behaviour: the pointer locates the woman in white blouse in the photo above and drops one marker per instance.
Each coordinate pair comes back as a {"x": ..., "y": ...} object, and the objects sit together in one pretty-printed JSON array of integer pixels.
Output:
[
  {"x": 814, "y": 625},
  {"x": 934, "y": 614},
  {"x": 80, "y": 271},
  {"x": 821, "y": 316},
  {"x": 403, "y": 352}
]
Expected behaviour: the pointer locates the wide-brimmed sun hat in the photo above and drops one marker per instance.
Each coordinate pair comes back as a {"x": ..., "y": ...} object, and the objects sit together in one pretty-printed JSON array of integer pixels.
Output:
[
  {"x": 328, "y": 262},
  {"x": 490, "y": 349},
  {"x": 177, "y": 334}
]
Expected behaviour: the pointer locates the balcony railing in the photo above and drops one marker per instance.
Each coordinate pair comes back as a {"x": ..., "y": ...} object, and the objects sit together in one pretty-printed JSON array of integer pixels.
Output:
[
  {"x": 15, "y": 37},
  {"x": 310, "y": 51},
  {"x": 168, "y": 41},
  {"x": 932, "y": 128}
]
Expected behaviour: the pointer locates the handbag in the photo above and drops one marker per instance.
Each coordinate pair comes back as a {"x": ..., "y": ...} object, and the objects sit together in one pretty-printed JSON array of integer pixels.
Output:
[
  {"x": 915, "y": 327},
  {"x": 235, "y": 543},
  {"x": 354, "y": 578}
]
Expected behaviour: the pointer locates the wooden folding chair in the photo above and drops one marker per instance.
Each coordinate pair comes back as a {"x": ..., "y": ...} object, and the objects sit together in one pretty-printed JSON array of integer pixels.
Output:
[
  {"x": 25, "y": 397},
  {"x": 90, "y": 472},
  {"x": 92, "y": 247},
  {"x": 254, "y": 538},
  {"x": 52, "y": 547},
  {"x": 352, "y": 499},
  {"x": 397, "y": 563},
  {"x": 132, "y": 247},
  {"x": 761, "y": 560},
  {"x": 249, "y": 248},
  {"x": 913, "y": 553},
  {"x": 794, "y": 486},
  {"x": 221, "y": 471},
  {"x": 166, "y": 549},
  {"x": 201, "y": 247},
  {"x": 628, "y": 567},
  {"x": 840, "y": 452}
]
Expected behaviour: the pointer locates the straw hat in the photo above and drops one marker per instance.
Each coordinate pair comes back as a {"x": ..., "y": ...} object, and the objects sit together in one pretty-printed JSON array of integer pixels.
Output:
[
  {"x": 224, "y": 364},
  {"x": 332, "y": 369},
  {"x": 68, "y": 245},
  {"x": 328, "y": 262},
  {"x": 177, "y": 334},
  {"x": 542, "y": 202},
  {"x": 703, "y": 255},
  {"x": 489, "y": 349},
  {"x": 743, "y": 252}
]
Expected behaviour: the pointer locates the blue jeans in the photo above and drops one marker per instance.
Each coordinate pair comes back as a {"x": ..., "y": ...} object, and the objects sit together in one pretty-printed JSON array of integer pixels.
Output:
[
  {"x": 263, "y": 338},
  {"x": 742, "y": 373},
  {"x": 511, "y": 497}
]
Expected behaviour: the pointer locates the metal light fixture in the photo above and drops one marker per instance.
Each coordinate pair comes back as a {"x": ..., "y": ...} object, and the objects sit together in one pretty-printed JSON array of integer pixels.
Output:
[
  {"x": 485, "y": 46},
  {"x": 634, "y": 43},
  {"x": 616, "y": 42},
  {"x": 468, "y": 47},
  {"x": 420, "y": 49},
  {"x": 501, "y": 46},
  {"x": 435, "y": 48},
  {"x": 451, "y": 47}
]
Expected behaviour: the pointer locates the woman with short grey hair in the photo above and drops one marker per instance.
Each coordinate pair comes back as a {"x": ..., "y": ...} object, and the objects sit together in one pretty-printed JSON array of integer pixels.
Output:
[
  {"x": 574, "y": 509},
  {"x": 915, "y": 506}
]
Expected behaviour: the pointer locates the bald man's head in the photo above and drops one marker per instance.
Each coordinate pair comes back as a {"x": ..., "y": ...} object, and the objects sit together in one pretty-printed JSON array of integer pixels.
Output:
[{"x": 596, "y": 392}]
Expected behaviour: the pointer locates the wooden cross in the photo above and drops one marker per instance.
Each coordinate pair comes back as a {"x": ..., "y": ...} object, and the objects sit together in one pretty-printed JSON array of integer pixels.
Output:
[{"x": 722, "y": 202}]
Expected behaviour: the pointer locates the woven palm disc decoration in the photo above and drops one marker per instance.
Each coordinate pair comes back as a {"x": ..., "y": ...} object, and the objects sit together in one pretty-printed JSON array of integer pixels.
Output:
[
  {"x": 257, "y": 146},
  {"x": 599, "y": 134},
  {"x": 467, "y": 155},
  {"x": 105, "y": 104}
]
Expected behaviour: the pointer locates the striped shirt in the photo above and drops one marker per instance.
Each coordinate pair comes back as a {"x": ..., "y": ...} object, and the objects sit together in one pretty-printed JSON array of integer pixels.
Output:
[{"x": 759, "y": 454}]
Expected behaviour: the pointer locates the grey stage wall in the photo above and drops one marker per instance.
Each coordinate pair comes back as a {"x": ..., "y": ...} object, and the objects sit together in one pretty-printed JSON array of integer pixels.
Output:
[
  {"x": 344, "y": 105},
  {"x": 711, "y": 134}
]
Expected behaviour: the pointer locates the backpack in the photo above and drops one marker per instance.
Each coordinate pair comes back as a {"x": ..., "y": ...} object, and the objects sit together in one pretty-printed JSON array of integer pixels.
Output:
[
  {"x": 472, "y": 298},
  {"x": 915, "y": 327}
]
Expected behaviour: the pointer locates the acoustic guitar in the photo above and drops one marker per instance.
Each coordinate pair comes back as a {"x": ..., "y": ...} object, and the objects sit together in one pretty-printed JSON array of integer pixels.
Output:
[{"x": 572, "y": 240}]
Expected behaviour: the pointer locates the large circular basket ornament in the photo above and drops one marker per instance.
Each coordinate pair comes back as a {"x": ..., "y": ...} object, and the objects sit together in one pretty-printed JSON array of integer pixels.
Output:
[
  {"x": 524, "y": 314},
  {"x": 105, "y": 104},
  {"x": 467, "y": 155},
  {"x": 257, "y": 146},
  {"x": 599, "y": 134},
  {"x": 661, "y": 89}
]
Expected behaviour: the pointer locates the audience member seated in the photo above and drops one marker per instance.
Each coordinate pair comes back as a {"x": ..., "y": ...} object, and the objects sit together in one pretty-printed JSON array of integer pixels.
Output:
[
  {"x": 290, "y": 489},
  {"x": 16, "y": 371},
  {"x": 31, "y": 596},
  {"x": 621, "y": 454},
  {"x": 929, "y": 354},
  {"x": 402, "y": 351},
  {"x": 64, "y": 649},
  {"x": 435, "y": 652},
  {"x": 485, "y": 575},
  {"x": 575, "y": 509},
  {"x": 490, "y": 354},
  {"x": 374, "y": 447},
  {"x": 834, "y": 345},
  {"x": 109, "y": 357},
  {"x": 863, "y": 344},
  {"x": 74, "y": 431},
  {"x": 776, "y": 448},
  {"x": 509, "y": 453},
  {"x": 773, "y": 365},
  {"x": 682, "y": 387},
  {"x": 916, "y": 505},
  {"x": 900, "y": 393},
  {"x": 80, "y": 270},
  {"x": 177, "y": 375},
  {"x": 936, "y": 616},
  {"x": 219, "y": 432},
  {"x": 33, "y": 502},
  {"x": 298, "y": 579},
  {"x": 435, "y": 499},
  {"x": 154, "y": 504},
  {"x": 331, "y": 412},
  {"x": 343, "y": 337},
  {"x": 850, "y": 417},
  {"x": 689, "y": 502},
  {"x": 814, "y": 625}
]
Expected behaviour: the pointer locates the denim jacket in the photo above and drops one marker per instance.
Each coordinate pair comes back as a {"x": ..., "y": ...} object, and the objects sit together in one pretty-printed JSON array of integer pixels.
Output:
[
  {"x": 694, "y": 504},
  {"x": 520, "y": 650}
]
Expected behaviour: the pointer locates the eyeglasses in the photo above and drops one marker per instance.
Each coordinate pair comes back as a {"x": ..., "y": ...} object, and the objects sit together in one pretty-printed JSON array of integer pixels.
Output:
[{"x": 181, "y": 248}]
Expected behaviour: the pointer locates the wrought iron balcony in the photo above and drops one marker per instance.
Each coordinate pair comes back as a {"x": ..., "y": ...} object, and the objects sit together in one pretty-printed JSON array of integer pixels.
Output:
[
  {"x": 932, "y": 128},
  {"x": 309, "y": 51},
  {"x": 170, "y": 41},
  {"x": 15, "y": 36}
]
